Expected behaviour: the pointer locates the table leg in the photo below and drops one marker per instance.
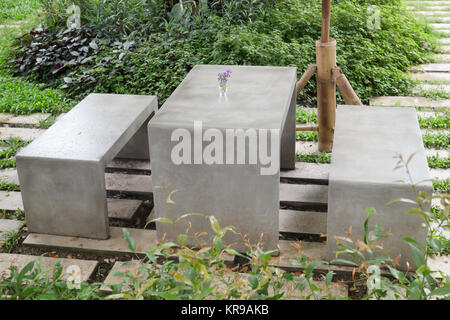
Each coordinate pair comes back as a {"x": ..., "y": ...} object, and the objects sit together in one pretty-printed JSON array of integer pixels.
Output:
[{"x": 287, "y": 158}]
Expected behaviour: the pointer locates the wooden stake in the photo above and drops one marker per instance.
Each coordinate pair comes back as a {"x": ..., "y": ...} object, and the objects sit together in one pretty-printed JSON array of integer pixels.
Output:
[
  {"x": 307, "y": 128},
  {"x": 326, "y": 93},
  {"x": 326, "y": 13},
  {"x": 305, "y": 77},
  {"x": 345, "y": 88}
]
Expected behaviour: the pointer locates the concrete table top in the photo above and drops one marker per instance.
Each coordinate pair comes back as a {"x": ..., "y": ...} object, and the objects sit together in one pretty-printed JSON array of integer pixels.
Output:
[{"x": 256, "y": 98}]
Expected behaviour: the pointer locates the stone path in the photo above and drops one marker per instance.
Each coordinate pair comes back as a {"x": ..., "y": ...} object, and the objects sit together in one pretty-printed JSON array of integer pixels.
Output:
[{"x": 75, "y": 268}]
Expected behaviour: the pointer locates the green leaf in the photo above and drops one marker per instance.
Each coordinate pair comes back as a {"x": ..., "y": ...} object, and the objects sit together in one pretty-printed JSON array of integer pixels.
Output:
[
  {"x": 329, "y": 278},
  {"x": 130, "y": 241},
  {"x": 443, "y": 291},
  {"x": 343, "y": 261},
  {"x": 253, "y": 281},
  {"x": 412, "y": 241},
  {"x": 162, "y": 220},
  {"x": 310, "y": 268},
  {"x": 182, "y": 239},
  {"x": 234, "y": 252},
  {"x": 418, "y": 256}
]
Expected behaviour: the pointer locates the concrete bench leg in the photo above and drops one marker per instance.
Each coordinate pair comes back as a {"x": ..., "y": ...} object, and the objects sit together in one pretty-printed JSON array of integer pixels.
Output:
[
  {"x": 287, "y": 157},
  {"x": 64, "y": 197},
  {"x": 137, "y": 147}
]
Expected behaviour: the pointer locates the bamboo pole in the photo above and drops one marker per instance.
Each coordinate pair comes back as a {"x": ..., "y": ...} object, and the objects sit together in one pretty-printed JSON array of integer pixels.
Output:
[
  {"x": 326, "y": 12},
  {"x": 307, "y": 128},
  {"x": 305, "y": 77},
  {"x": 345, "y": 88},
  {"x": 326, "y": 93},
  {"x": 326, "y": 84}
]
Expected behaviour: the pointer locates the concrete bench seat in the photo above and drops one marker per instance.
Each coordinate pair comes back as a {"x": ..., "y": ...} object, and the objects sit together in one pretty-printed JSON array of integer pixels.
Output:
[
  {"x": 362, "y": 176},
  {"x": 62, "y": 173}
]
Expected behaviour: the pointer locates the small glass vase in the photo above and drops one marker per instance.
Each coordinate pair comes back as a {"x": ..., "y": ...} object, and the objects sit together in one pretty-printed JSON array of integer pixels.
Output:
[{"x": 223, "y": 88}]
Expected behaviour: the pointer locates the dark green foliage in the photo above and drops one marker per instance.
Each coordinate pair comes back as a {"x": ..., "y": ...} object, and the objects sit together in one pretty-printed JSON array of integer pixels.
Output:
[{"x": 168, "y": 42}]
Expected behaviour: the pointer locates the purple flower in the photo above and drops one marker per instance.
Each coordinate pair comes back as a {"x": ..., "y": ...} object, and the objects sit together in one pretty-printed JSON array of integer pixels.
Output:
[
  {"x": 224, "y": 76},
  {"x": 425, "y": 45}
]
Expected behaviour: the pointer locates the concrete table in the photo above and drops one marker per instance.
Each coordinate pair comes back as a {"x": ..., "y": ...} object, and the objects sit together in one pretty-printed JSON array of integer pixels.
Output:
[
  {"x": 238, "y": 193},
  {"x": 365, "y": 143},
  {"x": 62, "y": 173}
]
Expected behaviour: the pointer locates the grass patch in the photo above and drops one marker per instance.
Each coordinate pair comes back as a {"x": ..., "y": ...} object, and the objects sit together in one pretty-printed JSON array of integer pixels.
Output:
[
  {"x": 441, "y": 186},
  {"x": 15, "y": 10},
  {"x": 313, "y": 157},
  {"x": 438, "y": 122},
  {"x": 22, "y": 97},
  {"x": 436, "y": 162},
  {"x": 437, "y": 140},
  {"x": 4, "y": 186},
  {"x": 307, "y": 135},
  {"x": 11, "y": 147},
  {"x": 304, "y": 116}
]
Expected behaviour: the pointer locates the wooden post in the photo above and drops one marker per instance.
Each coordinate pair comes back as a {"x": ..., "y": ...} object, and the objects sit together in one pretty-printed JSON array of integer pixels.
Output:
[
  {"x": 305, "y": 77},
  {"x": 326, "y": 84},
  {"x": 326, "y": 93},
  {"x": 345, "y": 88}
]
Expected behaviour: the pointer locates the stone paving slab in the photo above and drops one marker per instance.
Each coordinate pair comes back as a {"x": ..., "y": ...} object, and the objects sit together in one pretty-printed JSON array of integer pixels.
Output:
[
  {"x": 24, "y": 120},
  {"x": 135, "y": 268},
  {"x": 7, "y": 226},
  {"x": 10, "y": 201},
  {"x": 140, "y": 184},
  {"x": 303, "y": 222},
  {"x": 9, "y": 175},
  {"x": 117, "y": 208},
  {"x": 430, "y": 12},
  {"x": 303, "y": 193},
  {"x": 308, "y": 172},
  {"x": 432, "y": 88},
  {"x": 123, "y": 209},
  {"x": 435, "y": 67},
  {"x": 431, "y": 76},
  {"x": 429, "y": 3},
  {"x": 440, "y": 174},
  {"x": 444, "y": 49},
  {"x": 442, "y": 57},
  {"x": 22, "y": 133},
  {"x": 442, "y": 153},
  {"x": 443, "y": 40},
  {"x": 441, "y": 19},
  {"x": 129, "y": 164},
  {"x": 75, "y": 267},
  {"x": 441, "y": 263},
  {"x": 409, "y": 102},
  {"x": 145, "y": 241},
  {"x": 307, "y": 147},
  {"x": 440, "y": 26}
]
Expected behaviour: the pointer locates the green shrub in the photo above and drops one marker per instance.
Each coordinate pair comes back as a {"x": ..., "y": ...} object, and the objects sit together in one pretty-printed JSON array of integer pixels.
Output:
[{"x": 168, "y": 41}]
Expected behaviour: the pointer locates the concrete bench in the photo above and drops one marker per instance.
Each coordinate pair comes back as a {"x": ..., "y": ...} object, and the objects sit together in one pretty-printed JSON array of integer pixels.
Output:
[
  {"x": 62, "y": 173},
  {"x": 366, "y": 141}
]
